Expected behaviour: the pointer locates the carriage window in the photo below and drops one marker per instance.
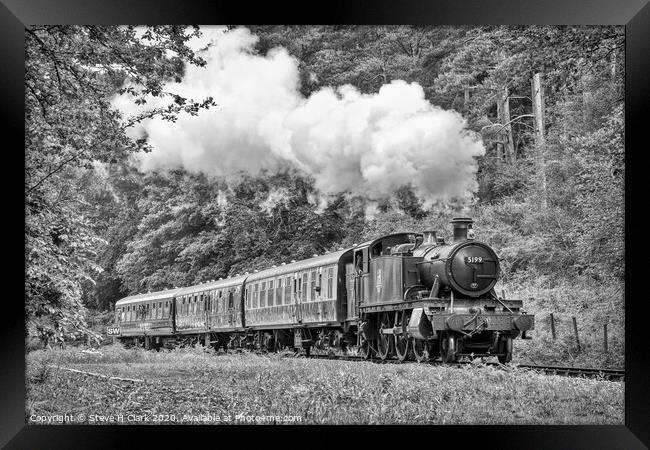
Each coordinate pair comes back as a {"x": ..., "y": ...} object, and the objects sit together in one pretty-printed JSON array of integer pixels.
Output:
[
  {"x": 231, "y": 303},
  {"x": 312, "y": 291},
  {"x": 271, "y": 292},
  {"x": 263, "y": 295},
  {"x": 305, "y": 294},
  {"x": 330, "y": 282},
  {"x": 278, "y": 292},
  {"x": 255, "y": 295},
  {"x": 287, "y": 290}
]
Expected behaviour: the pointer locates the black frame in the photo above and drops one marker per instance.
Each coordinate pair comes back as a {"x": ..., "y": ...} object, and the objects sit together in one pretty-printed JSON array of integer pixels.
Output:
[{"x": 15, "y": 15}]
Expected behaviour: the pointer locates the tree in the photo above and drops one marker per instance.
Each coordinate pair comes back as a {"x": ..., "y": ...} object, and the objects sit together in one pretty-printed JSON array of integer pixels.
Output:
[{"x": 71, "y": 75}]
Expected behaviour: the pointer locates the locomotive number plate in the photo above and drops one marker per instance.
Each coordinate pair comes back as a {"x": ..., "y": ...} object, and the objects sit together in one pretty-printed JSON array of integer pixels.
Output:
[
  {"x": 474, "y": 259},
  {"x": 113, "y": 331}
]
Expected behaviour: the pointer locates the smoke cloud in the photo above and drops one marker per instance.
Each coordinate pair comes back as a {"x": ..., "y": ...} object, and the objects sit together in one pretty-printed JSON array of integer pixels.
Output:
[{"x": 367, "y": 145}]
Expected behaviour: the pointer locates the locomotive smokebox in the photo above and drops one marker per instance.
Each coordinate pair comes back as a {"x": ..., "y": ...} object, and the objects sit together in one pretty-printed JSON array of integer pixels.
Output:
[{"x": 461, "y": 226}]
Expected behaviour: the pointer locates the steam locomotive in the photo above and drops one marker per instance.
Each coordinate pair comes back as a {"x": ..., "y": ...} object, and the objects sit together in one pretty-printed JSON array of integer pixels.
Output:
[{"x": 403, "y": 295}]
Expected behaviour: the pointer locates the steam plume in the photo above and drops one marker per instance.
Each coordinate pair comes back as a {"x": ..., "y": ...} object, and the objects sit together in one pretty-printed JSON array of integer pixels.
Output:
[{"x": 368, "y": 145}]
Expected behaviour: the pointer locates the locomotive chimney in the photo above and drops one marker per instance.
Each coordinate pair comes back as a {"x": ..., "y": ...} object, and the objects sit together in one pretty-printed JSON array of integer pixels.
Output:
[
  {"x": 429, "y": 237},
  {"x": 461, "y": 226}
]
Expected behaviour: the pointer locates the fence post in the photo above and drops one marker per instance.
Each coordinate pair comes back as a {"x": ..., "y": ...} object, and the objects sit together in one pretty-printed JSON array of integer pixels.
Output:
[
  {"x": 575, "y": 329},
  {"x": 553, "y": 326},
  {"x": 605, "y": 337}
]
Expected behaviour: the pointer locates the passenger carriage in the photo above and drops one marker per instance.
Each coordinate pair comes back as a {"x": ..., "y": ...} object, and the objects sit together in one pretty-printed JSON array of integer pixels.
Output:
[
  {"x": 211, "y": 311},
  {"x": 298, "y": 304},
  {"x": 145, "y": 318}
]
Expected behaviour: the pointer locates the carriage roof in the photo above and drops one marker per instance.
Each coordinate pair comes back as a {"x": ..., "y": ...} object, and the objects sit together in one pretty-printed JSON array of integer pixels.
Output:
[
  {"x": 148, "y": 296},
  {"x": 212, "y": 285},
  {"x": 305, "y": 264}
]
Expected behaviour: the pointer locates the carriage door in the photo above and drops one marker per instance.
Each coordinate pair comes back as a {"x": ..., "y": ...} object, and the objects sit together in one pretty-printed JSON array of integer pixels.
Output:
[
  {"x": 297, "y": 296},
  {"x": 231, "y": 309},
  {"x": 360, "y": 274},
  {"x": 350, "y": 291}
]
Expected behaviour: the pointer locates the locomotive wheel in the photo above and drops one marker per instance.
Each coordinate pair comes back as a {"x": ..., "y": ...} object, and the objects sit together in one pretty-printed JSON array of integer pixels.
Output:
[
  {"x": 505, "y": 348},
  {"x": 401, "y": 340},
  {"x": 448, "y": 348},
  {"x": 384, "y": 341},
  {"x": 420, "y": 350}
]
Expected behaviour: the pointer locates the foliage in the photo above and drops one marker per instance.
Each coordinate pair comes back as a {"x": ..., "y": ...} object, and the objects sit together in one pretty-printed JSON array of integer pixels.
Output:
[
  {"x": 211, "y": 229},
  {"x": 71, "y": 75}
]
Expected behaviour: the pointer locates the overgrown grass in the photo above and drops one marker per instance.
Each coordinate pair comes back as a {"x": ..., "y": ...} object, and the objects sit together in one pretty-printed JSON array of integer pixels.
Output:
[
  {"x": 190, "y": 382},
  {"x": 593, "y": 304}
]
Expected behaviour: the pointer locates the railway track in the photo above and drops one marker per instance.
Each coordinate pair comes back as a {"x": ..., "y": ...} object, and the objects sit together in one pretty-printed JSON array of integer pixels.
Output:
[{"x": 581, "y": 372}]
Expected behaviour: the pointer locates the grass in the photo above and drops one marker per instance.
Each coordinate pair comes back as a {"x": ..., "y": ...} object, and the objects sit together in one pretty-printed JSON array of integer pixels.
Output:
[
  {"x": 593, "y": 304},
  {"x": 250, "y": 388}
]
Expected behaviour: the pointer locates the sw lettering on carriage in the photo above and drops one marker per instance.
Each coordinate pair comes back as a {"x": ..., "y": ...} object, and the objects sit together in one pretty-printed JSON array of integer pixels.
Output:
[{"x": 113, "y": 331}]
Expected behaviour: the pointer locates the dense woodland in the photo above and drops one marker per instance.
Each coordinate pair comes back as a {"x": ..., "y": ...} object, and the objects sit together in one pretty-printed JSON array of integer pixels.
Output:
[{"x": 98, "y": 228}]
